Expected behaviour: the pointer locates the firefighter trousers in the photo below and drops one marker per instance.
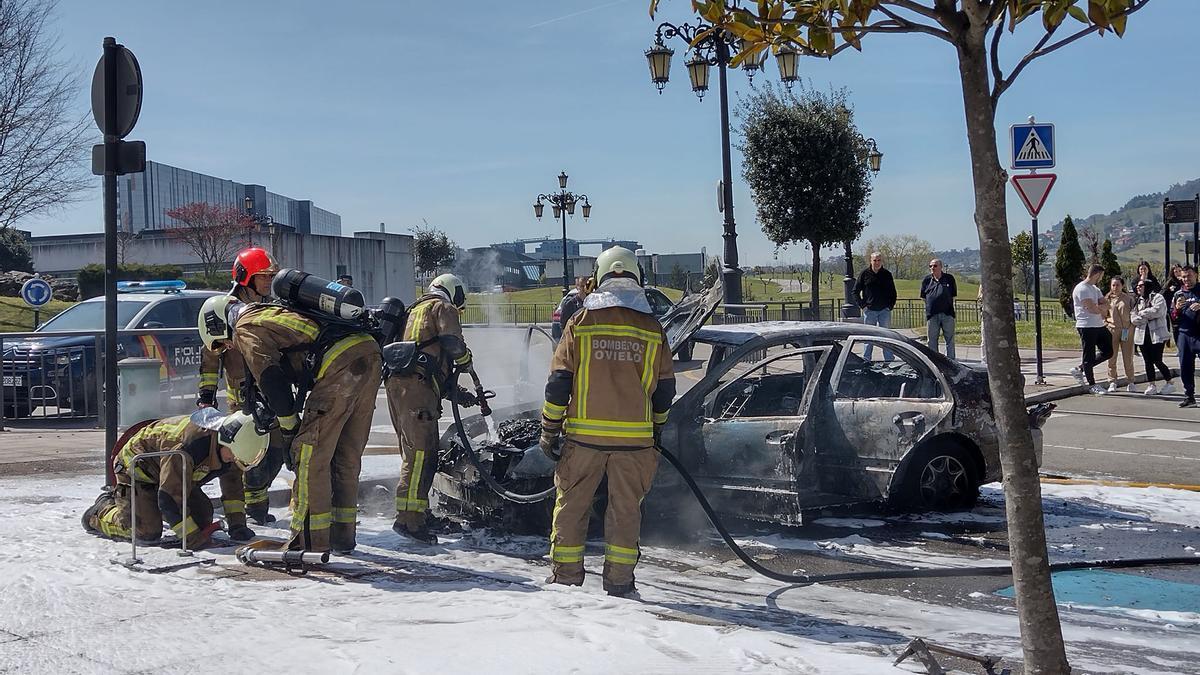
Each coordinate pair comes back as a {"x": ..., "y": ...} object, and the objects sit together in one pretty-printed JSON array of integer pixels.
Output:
[
  {"x": 112, "y": 519},
  {"x": 577, "y": 475},
  {"x": 327, "y": 452},
  {"x": 415, "y": 408},
  {"x": 258, "y": 478}
]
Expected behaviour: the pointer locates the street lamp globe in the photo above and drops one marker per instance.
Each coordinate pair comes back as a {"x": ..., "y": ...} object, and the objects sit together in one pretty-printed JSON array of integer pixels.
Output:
[
  {"x": 557, "y": 211},
  {"x": 249, "y": 201},
  {"x": 538, "y": 208},
  {"x": 788, "y": 60},
  {"x": 570, "y": 205},
  {"x": 659, "y": 59},
  {"x": 562, "y": 180},
  {"x": 587, "y": 210},
  {"x": 874, "y": 156},
  {"x": 698, "y": 72},
  {"x": 753, "y": 64}
]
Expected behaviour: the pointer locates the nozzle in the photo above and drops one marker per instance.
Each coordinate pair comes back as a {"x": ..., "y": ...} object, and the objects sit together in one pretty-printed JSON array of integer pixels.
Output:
[{"x": 290, "y": 558}]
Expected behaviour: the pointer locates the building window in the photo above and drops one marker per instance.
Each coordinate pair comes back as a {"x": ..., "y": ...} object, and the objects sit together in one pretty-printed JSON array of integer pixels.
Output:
[{"x": 342, "y": 270}]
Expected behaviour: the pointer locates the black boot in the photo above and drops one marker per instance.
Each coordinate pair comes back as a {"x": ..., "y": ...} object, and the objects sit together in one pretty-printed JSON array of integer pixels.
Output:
[
  {"x": 421, "y": 534},
  {"x": 260, "y": 513},
  {"x": 105, "y": 499},
  {"x": 1189, "y": 402},
  {"x": 620, "y": 590}
]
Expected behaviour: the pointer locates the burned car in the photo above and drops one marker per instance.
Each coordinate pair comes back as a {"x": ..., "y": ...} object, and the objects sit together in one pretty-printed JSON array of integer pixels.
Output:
[{"x": 790, "y": 419}]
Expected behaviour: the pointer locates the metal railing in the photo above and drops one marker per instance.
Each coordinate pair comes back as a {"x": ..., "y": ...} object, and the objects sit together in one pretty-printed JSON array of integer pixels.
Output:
[
  {"x": 503, "y": 313},
  {"x": 43, "y": 382}
]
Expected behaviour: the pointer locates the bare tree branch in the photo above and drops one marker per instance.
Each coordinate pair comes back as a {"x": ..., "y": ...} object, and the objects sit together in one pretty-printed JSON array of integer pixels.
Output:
[
  {"x": 915, "y": 26},
  {"x": 916, "y": 8},
  {"x": 42, "y": 143},
  {"x": 213, "y": 233},
  {"x": 994, "y": 55}
]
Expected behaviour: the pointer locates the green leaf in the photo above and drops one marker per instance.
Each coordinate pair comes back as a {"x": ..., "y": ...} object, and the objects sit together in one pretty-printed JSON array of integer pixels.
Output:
[{"x": 1078, "y": 14}]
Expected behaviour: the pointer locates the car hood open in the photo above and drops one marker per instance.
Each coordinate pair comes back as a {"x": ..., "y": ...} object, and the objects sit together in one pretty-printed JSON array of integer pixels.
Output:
[{"x": 689, "y": 314}]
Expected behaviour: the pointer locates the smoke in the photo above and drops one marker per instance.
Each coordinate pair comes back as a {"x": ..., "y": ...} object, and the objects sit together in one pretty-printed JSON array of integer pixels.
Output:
[
  {"x": 479, "y": 269},
  {"x": 512, "y": 361}
]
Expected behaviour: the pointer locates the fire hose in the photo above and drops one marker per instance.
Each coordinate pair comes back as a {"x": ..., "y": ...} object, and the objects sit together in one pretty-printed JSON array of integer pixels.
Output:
[{"x": 800, "y": 579}]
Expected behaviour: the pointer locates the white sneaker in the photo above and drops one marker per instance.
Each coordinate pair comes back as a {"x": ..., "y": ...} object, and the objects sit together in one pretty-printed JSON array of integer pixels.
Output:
[
  {"x": 1112, "y": 387},
  {"x": 1167, "y": 388},
  {"x": 1151, "y": 390},
  {"x": 1098, "y": 390},
  {"x": 1132, "y": 388},
  {"x": 1077, "y": 373}
]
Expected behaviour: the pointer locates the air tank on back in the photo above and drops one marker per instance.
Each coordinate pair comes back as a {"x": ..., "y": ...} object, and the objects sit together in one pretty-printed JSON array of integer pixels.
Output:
[
  {"x": 311, "y": 292},
  {"x": 391, "y": 315}
]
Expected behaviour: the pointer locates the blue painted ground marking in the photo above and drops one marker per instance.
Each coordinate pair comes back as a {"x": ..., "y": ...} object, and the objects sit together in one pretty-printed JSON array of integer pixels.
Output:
[{"x": 1099, "y": 588}]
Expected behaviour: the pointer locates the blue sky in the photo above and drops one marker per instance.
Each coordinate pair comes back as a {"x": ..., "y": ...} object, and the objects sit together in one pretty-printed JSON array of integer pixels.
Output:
[{"x": 461, "y": 113}]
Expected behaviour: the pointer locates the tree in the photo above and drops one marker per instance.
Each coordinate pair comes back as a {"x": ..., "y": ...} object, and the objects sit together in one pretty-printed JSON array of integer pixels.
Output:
[
  {"x": 974, "y": 30},
  {"x": 125, "y": 240},
  {"x": 213, "y": 232},
  {"x": 905, "y": 255},
  {"x": 1112, "y": 266},
  {"x": 1068, "y": 265},
  {"x": 678, "y": 278},
  {"x": 14, "y": 252},
  {"x": 1091, "y": 243},
  {"x": 432, "y": 249},
  {"x": 1022, "y": 256},
  {"x": 712, "y": 272},
  {"x": 803, "y": 158},
  {"x": 43, "y": 145}
]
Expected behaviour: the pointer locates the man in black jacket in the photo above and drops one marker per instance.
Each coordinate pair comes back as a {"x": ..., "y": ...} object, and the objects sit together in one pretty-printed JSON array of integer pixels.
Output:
[
  {"x": 939, "y": 289},
  {"x": 875, "y": 293}
]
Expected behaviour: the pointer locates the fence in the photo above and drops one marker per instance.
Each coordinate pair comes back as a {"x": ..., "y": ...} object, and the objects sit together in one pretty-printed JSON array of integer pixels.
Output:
[
  {"x": 59, "y": 375},
  {"x": 908, "y": 313},
  {"x": 519, "y": 313}
]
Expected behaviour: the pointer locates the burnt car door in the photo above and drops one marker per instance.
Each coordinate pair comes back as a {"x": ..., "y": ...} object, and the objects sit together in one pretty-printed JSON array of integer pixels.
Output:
[
  {"x": 689, "y": 314},
  {"x": 754, "y": 434},
  {"x": 886, "y": 397}
]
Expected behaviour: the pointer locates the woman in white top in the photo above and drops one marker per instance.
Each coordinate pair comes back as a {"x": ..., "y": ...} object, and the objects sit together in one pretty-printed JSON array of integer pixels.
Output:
[
  {"x": 1150, "y": 331},
  {"x": 1090, "y": 309}
]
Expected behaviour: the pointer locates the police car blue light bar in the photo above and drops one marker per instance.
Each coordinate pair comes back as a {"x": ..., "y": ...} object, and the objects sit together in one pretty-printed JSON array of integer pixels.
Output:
[{"x": 140, "y": 286}]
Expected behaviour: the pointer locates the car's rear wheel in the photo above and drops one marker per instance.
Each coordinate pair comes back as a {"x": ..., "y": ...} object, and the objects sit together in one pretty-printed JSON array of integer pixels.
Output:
[{"x": 941, "y": 477}]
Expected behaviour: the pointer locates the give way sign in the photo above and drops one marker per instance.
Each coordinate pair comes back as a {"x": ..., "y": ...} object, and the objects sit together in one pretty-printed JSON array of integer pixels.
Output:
[{"x": 1033, "y": 188}]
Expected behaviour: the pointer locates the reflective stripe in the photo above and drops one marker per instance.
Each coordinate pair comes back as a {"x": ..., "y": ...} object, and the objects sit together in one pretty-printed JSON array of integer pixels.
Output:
[
  {"x": 345, "y": 514},
  {"x": 300, "y": 488},
  {"x": 619, "y": 330},
  {"x": 209, "y": 380},
  {"x": 464, "y": 359},
  {"x": 339, "y": 348},
  {"x": 620, "y": 555},
  {"x": 319, "y": 521},
  {"x": 280, "y": 316},
  {"x": 192, "y": 527},
  {"x": 661, "y": 418},
  {"x": 583, "y": 377},
  {"x": 289, "y": 422},
  {"x": 404, "y": 504},
  {"x": 411, "y": 501},
  {"x": 416, "y": 319},
  {"x": 553, "y": 412},
  {"x": 610, "y": 428},
  {"x": 234, "y": 397},
  {"x": 566, "y": 554},
  {"x": 110, "y": 523},
  {"x": 648, "y": 375},
  {"x": 233, "y": 506},
  {"x": 256, "y": 496}
]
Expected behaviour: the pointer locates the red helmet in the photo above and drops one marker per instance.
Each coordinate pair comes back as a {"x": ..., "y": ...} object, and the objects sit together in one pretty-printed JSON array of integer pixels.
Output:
[{"x": 253, "y": 261}]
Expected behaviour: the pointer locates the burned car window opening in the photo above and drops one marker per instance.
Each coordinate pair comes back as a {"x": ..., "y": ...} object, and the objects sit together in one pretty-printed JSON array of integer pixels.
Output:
[
  {"x": 774, "y": 388},
  {"x": 866, "y": 373}
]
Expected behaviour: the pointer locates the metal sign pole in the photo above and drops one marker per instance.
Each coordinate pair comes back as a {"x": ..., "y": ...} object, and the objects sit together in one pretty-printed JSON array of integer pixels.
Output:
[
  {"x": 111, "y": 143},
  {"x": 1196, "y": 235},
  {"x": 1037, "y": 305}
]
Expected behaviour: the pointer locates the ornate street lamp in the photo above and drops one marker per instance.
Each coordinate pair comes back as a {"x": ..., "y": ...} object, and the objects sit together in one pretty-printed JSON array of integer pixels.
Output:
[
  {"x": 874, "y": 158},
  {"x": 659, "y": 58},
  {"x": 563, "y": 204},
  {"x": 698, "y": 73},
  {"x": 788, "y": 60}
]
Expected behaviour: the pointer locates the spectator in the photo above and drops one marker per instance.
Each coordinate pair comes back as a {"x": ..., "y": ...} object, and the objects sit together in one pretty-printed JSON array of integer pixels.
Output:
[
  {"x": 1174, "y": 283},
  {"x": 1186, "y": 310},
  {"x": 1146, "y": 273},
  {"x": 1120, "y": 306},
  {"x": 1089, "y": 322},
  {"x": 875, "y": 293},
  {"x": 939, "y": 290},
  {"x": 1151, "y": 332},
  {"x": 574, "y": 301}
]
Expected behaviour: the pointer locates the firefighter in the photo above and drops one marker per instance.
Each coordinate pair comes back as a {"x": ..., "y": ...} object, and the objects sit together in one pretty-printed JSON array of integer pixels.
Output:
[
  {"x": 253, "y": 271},
  {"x": 414, "y": 400},
  {"x": 217, "y": 446},
  {"x": 610, "y": 386},
  {"x": 332, "y": 373}
]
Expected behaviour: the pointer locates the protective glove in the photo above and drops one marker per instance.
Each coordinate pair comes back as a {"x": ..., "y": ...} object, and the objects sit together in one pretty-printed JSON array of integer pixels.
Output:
[
  {"x": 551, "y": 445},
  {"x": 465, "y": 398},
  {"x": 206, "y": 399},
  {"x": 241, "y": 533}
]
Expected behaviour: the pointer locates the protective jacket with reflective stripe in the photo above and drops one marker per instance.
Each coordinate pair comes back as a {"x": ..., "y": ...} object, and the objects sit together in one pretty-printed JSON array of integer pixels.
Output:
[
  {"x": 611, "y": 379},
  {"x": 203, "y": 461},
  {"x": 434, "y": 320},
  {"x": 230, "y": 361}
]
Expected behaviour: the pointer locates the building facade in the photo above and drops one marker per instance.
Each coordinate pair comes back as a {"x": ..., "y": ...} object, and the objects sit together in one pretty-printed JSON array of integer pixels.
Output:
[{"x": 144, "y": 198}]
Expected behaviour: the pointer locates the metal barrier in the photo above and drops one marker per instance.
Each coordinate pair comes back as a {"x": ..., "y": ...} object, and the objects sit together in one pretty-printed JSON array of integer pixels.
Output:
[
  {"x": 505, "y": 313},
  {"x": 66, "y": 382},
  {"x": 185, "y": 481}
]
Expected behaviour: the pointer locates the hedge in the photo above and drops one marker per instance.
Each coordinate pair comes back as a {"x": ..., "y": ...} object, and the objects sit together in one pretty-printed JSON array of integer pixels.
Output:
[{"x": 91, "y": 278}]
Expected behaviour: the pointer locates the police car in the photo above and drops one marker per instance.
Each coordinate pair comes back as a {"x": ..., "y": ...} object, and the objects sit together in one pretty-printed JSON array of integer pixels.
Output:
[{"x": 62, "y": 371}]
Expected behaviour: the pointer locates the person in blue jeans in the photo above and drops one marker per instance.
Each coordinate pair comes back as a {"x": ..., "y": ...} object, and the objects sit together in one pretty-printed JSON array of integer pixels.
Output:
[
  {"x": 939, "y": 289},
  {"x": 1185, "y": 308},
  {"x": 875, "y": 294}
]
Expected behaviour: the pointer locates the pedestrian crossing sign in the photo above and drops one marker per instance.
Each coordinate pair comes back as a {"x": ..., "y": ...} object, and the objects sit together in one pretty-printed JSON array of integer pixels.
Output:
[{"x": 1032, "y": 146}]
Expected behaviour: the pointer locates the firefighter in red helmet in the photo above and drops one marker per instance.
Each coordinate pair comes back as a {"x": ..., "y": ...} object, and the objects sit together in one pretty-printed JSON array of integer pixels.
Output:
[{"x": 253, "y": 271}]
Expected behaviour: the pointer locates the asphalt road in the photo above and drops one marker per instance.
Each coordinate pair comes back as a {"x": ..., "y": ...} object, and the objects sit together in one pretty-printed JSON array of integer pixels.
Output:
[{"x": 1124, "y": 436}]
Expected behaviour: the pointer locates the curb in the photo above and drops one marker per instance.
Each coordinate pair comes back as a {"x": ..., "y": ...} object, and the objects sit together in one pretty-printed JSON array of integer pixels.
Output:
[{"x": 1075, "y": 390}]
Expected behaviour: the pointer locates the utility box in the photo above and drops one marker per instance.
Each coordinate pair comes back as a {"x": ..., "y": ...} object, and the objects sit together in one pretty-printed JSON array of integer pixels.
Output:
[{"x": 140, "y": 395}]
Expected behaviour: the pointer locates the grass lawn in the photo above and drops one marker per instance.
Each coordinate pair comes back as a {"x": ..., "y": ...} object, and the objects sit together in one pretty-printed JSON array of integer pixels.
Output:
[
  {"x": 16, "y": 316},
  {"x": 540, "y": 296},
  {"x": 1055, "y": 334},
  {"x": 767, "y": 289}
]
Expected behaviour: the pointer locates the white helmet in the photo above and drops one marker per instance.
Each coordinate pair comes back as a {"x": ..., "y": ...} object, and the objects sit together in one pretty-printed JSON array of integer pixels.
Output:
[
  {"x": 453, "y": 287},
  {"x": 239, "y": 434},
  {"x": 216, "y": 318},
  {"x": 617, "y": 261}
]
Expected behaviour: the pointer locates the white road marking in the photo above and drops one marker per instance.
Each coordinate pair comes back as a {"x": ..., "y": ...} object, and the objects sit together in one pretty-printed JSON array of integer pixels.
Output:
[
  {"x": 1120, "y": 452},
  {"x": 1177, "y": 435}
]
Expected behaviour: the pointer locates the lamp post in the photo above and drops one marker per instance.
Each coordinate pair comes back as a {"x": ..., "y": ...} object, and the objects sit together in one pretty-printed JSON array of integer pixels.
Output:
[
  {"x": 874, "y": 159},
  {"x": 259, "y": 219},
  {"x": 563, "y": 203},
  {"x": 717, "y": 48}
]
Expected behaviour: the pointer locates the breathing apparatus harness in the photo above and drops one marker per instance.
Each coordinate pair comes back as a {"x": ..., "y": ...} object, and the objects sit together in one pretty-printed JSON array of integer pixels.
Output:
[{"x": 797, "y": 579}]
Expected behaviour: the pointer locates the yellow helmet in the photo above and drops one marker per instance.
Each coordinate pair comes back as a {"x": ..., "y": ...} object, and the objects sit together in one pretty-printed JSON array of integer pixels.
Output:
[
  {"x": 238, "y": 433},
  {"x": 215, "y": 320},
  {"x": 617, "y": 261},
  {"x": 453, "y": 287}
]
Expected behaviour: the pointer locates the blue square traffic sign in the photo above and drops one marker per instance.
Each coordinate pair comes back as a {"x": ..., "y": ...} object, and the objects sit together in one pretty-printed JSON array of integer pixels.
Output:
[{"x": 1032, "y": 146}]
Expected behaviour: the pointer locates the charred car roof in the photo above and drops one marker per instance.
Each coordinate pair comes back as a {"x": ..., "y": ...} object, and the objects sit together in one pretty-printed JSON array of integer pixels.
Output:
[{"x": 734, "y": 335}]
